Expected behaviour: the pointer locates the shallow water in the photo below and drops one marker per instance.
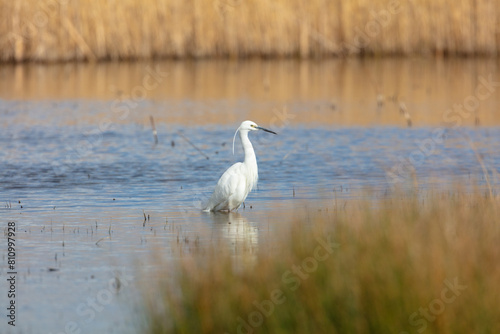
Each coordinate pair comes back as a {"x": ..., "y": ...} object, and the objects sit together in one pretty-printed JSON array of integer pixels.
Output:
[{"x": 94, "y": 199}]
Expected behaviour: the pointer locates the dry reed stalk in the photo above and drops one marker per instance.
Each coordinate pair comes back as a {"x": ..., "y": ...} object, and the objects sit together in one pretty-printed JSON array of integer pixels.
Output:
[
  {"x": 481, "y": 163},
  {"x": 58, "y": 30}
]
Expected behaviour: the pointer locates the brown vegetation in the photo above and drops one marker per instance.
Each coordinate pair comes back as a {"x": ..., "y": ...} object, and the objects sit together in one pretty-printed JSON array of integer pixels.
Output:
[
  {"x": 61, "y": 30},
  {"x": 397, "y": 265}
]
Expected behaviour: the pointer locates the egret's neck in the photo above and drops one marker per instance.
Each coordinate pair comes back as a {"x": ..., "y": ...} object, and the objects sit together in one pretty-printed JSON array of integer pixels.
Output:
[{"x": 248, "y": 149}]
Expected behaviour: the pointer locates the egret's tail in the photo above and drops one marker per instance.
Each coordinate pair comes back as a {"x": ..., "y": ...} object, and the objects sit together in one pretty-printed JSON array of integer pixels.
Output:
[
  {"x": 215, "y": 203},
  {"x": 206, "y": 207},
  {"x": 203, "y": 201}
]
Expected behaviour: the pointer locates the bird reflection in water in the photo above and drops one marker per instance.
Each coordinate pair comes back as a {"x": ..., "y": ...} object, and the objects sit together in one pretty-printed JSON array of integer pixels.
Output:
[{"x": 238, "y": 233}]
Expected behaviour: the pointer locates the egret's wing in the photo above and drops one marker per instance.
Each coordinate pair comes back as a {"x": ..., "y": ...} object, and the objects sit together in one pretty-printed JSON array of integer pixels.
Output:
[{"x": 226, "y": 186}]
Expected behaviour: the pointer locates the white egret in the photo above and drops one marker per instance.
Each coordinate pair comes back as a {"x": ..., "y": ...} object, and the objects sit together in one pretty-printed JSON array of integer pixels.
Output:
[{"x": 239, "y": 179}]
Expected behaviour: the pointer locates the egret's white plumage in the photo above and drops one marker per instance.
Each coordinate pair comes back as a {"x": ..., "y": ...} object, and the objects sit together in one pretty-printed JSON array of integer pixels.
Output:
[{"x": 239, "y": 179}]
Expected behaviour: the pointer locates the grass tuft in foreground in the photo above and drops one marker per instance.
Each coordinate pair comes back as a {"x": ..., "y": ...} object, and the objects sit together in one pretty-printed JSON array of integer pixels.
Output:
[{"x": 397, "y": 265}]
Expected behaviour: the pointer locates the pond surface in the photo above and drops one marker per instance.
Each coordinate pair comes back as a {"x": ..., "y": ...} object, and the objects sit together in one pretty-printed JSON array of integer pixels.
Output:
[{"x": 95, "y": 199}]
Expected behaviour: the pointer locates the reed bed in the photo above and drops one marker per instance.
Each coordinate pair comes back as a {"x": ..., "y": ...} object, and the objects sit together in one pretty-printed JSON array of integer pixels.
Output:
[
  {"x": 63, "y": 30},
  {"x": 396, "y": 265}
]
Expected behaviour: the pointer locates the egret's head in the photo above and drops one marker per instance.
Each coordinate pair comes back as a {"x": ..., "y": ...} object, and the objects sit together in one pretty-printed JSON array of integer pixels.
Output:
[{"x": 250, "y": 126}]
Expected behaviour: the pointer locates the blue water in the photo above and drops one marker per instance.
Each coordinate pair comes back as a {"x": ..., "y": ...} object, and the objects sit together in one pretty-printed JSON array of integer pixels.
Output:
[
  {"x": 47, "y": 166},
  {"x": 79, "y": 197}
]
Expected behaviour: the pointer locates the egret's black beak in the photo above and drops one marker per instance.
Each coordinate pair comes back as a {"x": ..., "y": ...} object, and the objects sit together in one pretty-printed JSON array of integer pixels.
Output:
[{"x": 261, "y": 128}]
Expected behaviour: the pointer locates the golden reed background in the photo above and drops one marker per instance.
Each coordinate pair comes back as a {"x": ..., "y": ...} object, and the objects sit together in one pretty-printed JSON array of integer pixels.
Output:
[{"x": 62, "y": 30}]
